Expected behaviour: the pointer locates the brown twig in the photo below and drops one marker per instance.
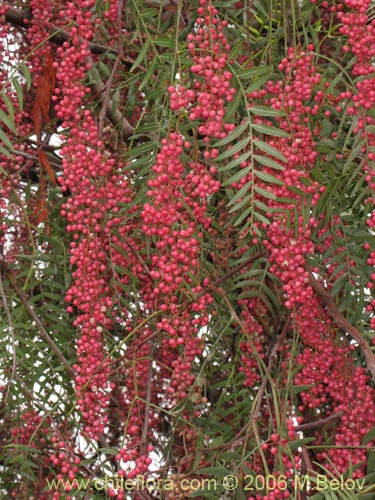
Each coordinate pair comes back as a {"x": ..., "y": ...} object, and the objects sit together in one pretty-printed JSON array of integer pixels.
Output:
[
  {"x": 239, "y": 438},
  {"x": 114, "y": 115},
  {"x": 239, "y": 268},
  {"x": 341, "y": 322},
  {"x": 119, "y": 56},
  {"x": 148, "y": 400},
  {"x": 318, "y": 423},
  {"x": 271, "y": 360},
  {"x": 41, "y": 330},
  {"x": 22, "y": 17},
  {"x": 212, "y": 286},
  {"x": 12, "y": 336},
  {"x": 29, "y": 156},
  {"x": 306, "y": 467}
]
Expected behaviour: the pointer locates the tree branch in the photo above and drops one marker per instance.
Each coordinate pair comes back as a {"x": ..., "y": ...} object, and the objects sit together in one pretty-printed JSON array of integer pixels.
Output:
[
  {"x": 237, "y": 269},
  {"x": 29, "y": 156},
  {"x": 22, "y": 17},
  {"x": 318, "y": 423},
  {"x": 341, "y": 322},
  {"x": 18, "y": 17},
  {"x": 148, "y": 400},
  {"x": 106, "y": 99},
  {"x": 12, "y": 336},
  {"x": 255, "y": 412},
  {"x": 114, "y": 115},
  {"x": 41, "y": 330}
]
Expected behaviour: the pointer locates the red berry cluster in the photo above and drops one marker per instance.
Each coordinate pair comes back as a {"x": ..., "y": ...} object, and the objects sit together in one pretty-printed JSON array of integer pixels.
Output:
[
  {"x": 209, "y": 50},
  {"x": 159, "y": 327},
  {"x": 287, "y": 254},
  {"x": 361, "y": 35},
  {"x": 97, "y": 187},
  {"x": 250, "y": 364},
  {"x": 294, "y": 97},
  {"x": 38, "y": 33},
  {"x": 289, "y": 236},
  {"x": 65, "y": 459},
  {"x": 14, "y": 235},
  {"x": 327, "y": 240},
  {"x": 277, "y": 450},
  {"x": 33, "y": 432},
  {"x": 26, "y": 433},
  {"x": 336, "y": 384},
  {"x": 178, "y": 196},
  {"x": 360, "y": 30},
  {"x": 167, "y": 220},
  {"x": 134, "y": 455}
]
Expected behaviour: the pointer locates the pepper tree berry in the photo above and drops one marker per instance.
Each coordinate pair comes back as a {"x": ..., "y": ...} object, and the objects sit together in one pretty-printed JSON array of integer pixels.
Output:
[{"x": 217, "y": 212}]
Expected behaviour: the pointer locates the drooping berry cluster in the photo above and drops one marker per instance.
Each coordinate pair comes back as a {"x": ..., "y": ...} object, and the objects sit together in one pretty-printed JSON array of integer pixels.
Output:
[
  {"x": 288, "y": 236},
  {"x": 13, "y": 231},
  {"x": 146, "y": 265},
  {"x": 34, "y": 432},
  {"x": 206, "y": 101},
  {"x": 360, "y": 31},
  {"x": 250, "y": 363},
  {"x": 96, "y": 186},
  {"x": 336, "y": 384},
  {"x": 175, "y": 266}
]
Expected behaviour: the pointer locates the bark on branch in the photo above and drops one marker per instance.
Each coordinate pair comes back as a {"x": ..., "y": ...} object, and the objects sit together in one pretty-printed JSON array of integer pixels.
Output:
[
  {"x": 114, "y": 115},
  {"x": 341, "y": 322},
  {"x": 39, "y": 326},
  {"x": 319, "y": 423},
  {"x": 22, "y": 17}
]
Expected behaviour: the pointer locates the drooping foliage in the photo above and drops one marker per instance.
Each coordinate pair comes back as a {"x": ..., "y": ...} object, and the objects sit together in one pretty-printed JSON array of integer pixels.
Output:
[{"x": 187, "y": 249}]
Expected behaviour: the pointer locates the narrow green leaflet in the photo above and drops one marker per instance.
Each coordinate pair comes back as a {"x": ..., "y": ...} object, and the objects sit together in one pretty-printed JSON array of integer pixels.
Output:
[
  {"x": 245, "y": 188},
  {"x": 149, "y": 73},
  {"x": 262, "y": 206},
  {"x": 241, "y": 203},
  {"x": 234, "y": 105},
  {"x": 9, "y": 105},
  {"x": 7, "y": 154},
  {"x": 268, "y": 178},
  {"x": 237, "y": 176},
  {"x": 243, "y": 216},
  {"x": 234, "y": 149},
  {"x": 27, "y": 75},
  {"x": 7, "y": 120},
  {"x": 18, "y": 89},
  {"x": 5, "y": 139},
  {"x": 265, "y": 111},
  {"x": 369, "y": 436},
  {"x": 258, "y": 83},
  {"x": 255, "y": 71},
  {"x": 269, "y": 130},
  {"x": 261, "y": 217},
  {"x": 236, "y": 161},
  {"x": 233, "y": 135},
  {"x": 266, "y": 148},
  {"x": 164, "y": 42},
  {"x": 141, "y": 55},
  {"x": 265, "y": 193},
  {"x": 268, "y": 162},
  {"x": 215, "y": 471}
]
